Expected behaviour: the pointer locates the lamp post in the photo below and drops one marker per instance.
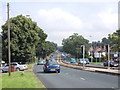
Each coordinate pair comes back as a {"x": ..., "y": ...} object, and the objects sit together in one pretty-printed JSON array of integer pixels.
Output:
[
  {"x": 91, "y": 53},
  {"x": 9, "y": 53},
  {"x": 108, "y": 56},
  {"x": 28, "y": 15},
  {"x": 91, "y": 50},
  {"x": 83, "y": 46}
]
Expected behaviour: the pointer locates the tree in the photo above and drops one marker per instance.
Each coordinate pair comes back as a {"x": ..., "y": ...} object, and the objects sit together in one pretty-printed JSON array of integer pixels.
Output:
[
  {"x": 25, "y": 36},
  {"x": 0, "y": 46},
  {"x": 115, "y": 40},
  {"x": 60, "y": 48},
  {"x": 73, "y": 44},
  {"x": 46, "y": 49},
  {"x": 106, "y": 41}
]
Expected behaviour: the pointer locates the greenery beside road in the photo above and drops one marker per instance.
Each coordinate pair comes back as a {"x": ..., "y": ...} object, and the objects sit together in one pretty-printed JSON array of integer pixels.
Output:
[
  {"x": 17, "y": 80},
  {"x": 27, "y": 40},
  {"x": 21, "y": 79},
  {"x": 98, "y": 63},
  {"x": 73, "y": 45}
]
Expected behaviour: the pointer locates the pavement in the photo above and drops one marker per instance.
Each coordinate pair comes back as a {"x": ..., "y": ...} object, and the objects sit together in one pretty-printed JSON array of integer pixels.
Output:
[
  {"x": 92, "y": 69},
  {"x": 109, "y": 71}
]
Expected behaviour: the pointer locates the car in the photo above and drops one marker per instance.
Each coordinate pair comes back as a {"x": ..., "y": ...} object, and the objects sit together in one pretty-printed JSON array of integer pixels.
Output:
[
  {"x": 5, "y": 68},
  {"x": 81, "y": 61},
  {"x": 87, "y": 60},
  {"x": 72, "y": 60},
  {"x": 17, "y": 67},
  {"x": 51, "y": 66},
  {"x": 111, "y": 63},
  {"x": 40, "y": 62}
]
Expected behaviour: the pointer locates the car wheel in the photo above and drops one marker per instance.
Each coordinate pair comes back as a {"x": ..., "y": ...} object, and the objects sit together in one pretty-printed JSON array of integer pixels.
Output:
[
  {"x": 57, "y": 71},
  {"x": 104, "y": 65},
  {"x": 17, "y": 69},
  {"x": 2, "y": 71},
  {"x": 44, "y": 71}
]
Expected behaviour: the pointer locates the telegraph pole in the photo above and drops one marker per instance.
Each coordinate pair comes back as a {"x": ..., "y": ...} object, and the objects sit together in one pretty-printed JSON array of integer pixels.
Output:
[{"x": 9, "y": 55}]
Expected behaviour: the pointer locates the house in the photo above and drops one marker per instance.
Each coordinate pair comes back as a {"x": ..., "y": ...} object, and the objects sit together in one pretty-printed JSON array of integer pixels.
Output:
[{"x": 98, "y": 52}]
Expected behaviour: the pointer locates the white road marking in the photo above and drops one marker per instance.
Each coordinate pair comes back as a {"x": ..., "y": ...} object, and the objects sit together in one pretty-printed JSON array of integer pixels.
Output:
[
  {"x": 82, "y": 78},
  {"x": 113, "y": 87}
]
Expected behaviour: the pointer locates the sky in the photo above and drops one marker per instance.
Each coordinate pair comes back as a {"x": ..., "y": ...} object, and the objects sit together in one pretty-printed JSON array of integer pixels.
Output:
[{"x": 93, "y": 19}]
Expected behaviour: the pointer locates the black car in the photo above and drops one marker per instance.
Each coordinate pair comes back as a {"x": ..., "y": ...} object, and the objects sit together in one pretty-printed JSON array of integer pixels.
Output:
[{"x": 111, "y": 63}]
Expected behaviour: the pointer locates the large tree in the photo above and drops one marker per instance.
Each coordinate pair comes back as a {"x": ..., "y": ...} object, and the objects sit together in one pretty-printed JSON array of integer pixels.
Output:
[
  {"x": 73, "y": 45},
  {"x": 25, "y": 35},
  {"x": 46, "y": 49},
  {"x": 115, "y": 40}
]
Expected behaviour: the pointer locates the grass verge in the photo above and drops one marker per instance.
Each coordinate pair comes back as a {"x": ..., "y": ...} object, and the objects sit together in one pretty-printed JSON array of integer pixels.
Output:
[
  {"x": 21, "y": 79},
  {"x": 99, "y": 63}
]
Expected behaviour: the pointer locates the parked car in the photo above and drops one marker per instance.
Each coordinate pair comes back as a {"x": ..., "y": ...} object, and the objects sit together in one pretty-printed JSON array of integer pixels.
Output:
[
  {"x": 111, "y": 63},
  {"x": 40, "y": 62},
  {"x": 5, "y": 68},
  {"x": 87, "y": 60},
  {"x": 17, "y": 67},
  {"x": 51, "y": 66},
  {"x": 81, "y": 61},
  {"x": 72, "y": 60}
]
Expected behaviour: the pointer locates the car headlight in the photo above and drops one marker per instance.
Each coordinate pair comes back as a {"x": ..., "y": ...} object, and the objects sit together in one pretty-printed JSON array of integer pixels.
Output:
[{"x": 58, "y": 65}]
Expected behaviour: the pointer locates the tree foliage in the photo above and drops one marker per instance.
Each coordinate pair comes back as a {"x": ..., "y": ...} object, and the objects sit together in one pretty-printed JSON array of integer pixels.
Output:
[
  {"x": 46, "y": 49},
  {"x": 25, "y": 35},
  {"x": 115, "y": 40},
  {"x": 0, "y": 47},
  {"x": 73, "y": 44}
]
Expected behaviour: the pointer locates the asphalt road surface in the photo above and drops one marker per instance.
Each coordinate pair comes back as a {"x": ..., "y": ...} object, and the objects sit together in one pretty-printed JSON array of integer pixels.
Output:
[{"x": 73, "y": 78}]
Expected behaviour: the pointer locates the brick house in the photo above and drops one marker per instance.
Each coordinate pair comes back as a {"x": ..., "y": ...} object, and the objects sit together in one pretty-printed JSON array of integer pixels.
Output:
[{"x": 98, "y": 52}]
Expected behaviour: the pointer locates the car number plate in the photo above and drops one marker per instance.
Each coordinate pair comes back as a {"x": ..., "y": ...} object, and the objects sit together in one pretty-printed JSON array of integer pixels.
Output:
[{"x": 52, "y": 69}]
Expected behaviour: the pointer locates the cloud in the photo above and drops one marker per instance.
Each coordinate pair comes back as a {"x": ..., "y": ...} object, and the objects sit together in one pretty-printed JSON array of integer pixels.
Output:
[
  {"x": 1, "y": 23},
  {"x": 59, "y": 24},
  {"x": 109, "y": 19},
  {"x": 58, "y": 36},
  {"x": 103, "y": 23},
  {"x": 56, "y": 17},
  {"x": 85, "y": 1}
]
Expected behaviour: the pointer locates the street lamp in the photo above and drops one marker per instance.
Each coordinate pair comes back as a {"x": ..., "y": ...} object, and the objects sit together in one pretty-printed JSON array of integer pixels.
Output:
[
  {"x": 9, "y": 51},
  {"x": 28, "y": 15},
  {"x": 83, "y": 46},
  {"x": 108, "y": 56},
  {"x": 91, "y": 50}
]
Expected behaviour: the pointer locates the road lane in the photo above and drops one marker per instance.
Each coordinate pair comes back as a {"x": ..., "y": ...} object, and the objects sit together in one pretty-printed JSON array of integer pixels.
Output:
[{"x": 73, "y": 78}]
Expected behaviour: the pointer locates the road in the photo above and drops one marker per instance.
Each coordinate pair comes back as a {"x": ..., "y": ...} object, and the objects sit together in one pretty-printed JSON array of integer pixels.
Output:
[{"x": 73, "y": 78}]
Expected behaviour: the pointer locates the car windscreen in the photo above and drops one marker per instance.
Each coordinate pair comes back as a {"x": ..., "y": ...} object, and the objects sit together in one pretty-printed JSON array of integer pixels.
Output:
[{"x": 52, "y": 63}]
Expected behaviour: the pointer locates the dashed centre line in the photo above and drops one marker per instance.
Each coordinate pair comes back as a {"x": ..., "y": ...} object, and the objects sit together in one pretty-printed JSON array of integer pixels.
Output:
[{"x": 82, "y": 78}]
